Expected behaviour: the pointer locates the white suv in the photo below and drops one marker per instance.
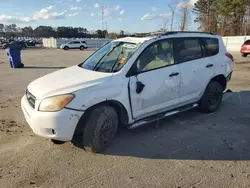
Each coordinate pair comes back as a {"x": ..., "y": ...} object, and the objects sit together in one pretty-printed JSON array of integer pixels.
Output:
[
  {"x": 129, "y": 82},
  {"x": 74, "y": 45}
]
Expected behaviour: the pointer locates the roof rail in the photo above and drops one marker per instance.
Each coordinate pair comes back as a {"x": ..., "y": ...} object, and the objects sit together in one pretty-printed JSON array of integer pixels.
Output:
[{"x": 176, "y": 32}]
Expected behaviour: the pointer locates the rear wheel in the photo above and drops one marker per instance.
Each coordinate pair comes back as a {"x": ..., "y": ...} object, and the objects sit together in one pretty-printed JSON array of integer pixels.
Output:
[
  {"x": 100, "y": 129},
  {"x": 244, "y": 55},
  {"x": 211, "y": 98}
]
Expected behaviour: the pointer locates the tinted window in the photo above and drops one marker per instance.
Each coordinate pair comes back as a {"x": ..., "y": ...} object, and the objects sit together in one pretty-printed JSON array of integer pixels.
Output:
[
  {"x": 212, "y": 46},
  {"x": 157, "y": 55},
  {"x": 83, "y": 42},
  {"x": 247, "y": 42},
  {"x": 76, "y": 42},
  {"x": 188, "y": 49}
]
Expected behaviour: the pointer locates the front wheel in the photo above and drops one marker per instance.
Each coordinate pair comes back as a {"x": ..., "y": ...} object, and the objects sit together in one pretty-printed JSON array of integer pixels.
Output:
[
  {"x": 100, "y": 129},
  {"x": 66, "y": 48},
  {"x": 82, "y": 48},
  {"x": 211, "y": 98},
  {"x": 244, "y": 55}
]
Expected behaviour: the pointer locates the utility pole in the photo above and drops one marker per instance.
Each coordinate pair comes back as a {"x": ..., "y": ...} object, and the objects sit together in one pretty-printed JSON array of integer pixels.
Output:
[{"x": 102, "y": 18}]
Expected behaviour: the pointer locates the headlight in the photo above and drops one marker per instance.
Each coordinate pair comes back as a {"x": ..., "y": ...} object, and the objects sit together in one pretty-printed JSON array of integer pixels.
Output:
[{"x": 55, "y": 103}]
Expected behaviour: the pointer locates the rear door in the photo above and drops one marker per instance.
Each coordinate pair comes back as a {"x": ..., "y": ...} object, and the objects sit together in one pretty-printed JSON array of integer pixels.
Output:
[{"x": 196, "y": 67}]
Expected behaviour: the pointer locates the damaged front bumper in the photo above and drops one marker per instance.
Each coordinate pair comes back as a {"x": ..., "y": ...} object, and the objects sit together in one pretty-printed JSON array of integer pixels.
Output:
[{"x": 53, "y": 125}]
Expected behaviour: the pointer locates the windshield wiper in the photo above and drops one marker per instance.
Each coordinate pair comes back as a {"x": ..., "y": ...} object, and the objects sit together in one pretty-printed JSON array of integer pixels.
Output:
[
  {"x": 113, "y": 66},
  {"x": 107, "y": 54}
]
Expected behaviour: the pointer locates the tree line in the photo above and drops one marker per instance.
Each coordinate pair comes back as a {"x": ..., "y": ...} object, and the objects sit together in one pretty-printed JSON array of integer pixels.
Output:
[
  {"x": 12, "y": 30},
  {"x": 224, "y": 17}
]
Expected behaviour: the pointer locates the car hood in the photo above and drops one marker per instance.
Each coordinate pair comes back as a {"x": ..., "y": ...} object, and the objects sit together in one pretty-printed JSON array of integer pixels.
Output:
[{"x": 66, "y": 81}]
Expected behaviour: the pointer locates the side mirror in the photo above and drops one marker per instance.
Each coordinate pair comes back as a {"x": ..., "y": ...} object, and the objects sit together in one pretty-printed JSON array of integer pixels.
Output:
[{"x": 139, "y": 87}]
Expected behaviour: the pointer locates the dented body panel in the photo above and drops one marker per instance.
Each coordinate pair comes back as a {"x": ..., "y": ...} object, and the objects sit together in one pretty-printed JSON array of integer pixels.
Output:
[{"x": 161, "y": 92}]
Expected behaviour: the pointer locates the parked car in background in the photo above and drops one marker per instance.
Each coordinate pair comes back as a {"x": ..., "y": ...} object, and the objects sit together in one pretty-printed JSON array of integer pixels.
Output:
[
  {"x": 245, "y": 48},
  {"x": 74, "y": 45},
  {"x": 131, "y": 82},
  {"x": 22, "y": 44}
]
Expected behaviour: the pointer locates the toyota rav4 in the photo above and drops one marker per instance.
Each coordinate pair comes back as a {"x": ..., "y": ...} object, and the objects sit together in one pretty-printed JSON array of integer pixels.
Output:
[{"x": 129, "y": 82}]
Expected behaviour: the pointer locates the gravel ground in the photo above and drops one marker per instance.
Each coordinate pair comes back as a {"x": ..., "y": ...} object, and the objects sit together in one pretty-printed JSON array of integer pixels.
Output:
[{"x": 186, "y": 150}]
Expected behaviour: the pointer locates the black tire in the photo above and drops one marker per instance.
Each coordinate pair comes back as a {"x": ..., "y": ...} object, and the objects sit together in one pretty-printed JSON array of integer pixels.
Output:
[
  {"x": 100, "y": 129},
  {"x": 81, "y": 47},
  {"x": 66, "y": 48},
  {"x": 211, "y": 98},
  {"x": 244, "y": 55}
]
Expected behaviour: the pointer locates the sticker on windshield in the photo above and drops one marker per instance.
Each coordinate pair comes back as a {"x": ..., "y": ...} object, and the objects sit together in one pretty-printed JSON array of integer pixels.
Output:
[
  {"x": 122, "y": 60},
  {"x": 129, "y": 46}
]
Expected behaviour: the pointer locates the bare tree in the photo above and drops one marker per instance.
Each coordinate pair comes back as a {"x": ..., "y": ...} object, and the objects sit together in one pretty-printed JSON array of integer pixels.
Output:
[
  {"x": 172, "y": 6},
  {"x": 185, "y": 12},
  {"x": 165, "y": 22}
]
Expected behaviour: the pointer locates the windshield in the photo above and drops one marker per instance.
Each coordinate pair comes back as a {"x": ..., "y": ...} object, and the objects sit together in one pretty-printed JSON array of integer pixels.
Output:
[{"x": 111, "y": 57}]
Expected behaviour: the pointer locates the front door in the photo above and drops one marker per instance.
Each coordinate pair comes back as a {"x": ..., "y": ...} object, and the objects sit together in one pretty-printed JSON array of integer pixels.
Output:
[{"x": 156, "y": 86}]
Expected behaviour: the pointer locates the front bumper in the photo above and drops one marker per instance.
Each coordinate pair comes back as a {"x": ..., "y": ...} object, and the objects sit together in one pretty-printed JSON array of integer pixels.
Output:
[{"x": 53, "y": 125}]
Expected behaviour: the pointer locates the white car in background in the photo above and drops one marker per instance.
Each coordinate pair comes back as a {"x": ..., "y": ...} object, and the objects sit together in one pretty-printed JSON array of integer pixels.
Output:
[
  {"x": 129, "y": 82},
  {"x": 81, "y": 45}
]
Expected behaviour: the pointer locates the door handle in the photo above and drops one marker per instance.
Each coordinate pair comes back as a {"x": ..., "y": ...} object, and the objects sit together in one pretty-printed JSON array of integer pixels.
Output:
[
  {"x": 174, "y": 74},
  {"x": 209, "y": 65}
]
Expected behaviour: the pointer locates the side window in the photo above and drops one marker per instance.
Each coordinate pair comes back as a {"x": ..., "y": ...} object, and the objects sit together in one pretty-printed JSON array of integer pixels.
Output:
[
  {"x": 212, "y": 46},
  {"x": 156, "y": 55},
  {"x": 76, "y": 42},
  {"x": 189, "y": 49}
]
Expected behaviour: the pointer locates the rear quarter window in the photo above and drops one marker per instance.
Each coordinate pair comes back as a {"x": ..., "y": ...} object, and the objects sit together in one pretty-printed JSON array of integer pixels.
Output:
[
  {"x": 212, "y": 46},
  {"x": 247, "y": 42}
]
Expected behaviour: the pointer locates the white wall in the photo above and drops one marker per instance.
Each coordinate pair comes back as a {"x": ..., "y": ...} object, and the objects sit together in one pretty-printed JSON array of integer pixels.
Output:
[
  {"x": 56, "y": 43},
  {"x": 234, "y": 43},
  {"x": 231, "y": 43}
]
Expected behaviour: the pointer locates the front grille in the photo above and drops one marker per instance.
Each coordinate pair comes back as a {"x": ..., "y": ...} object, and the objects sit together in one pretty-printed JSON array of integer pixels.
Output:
[{"x": 31, "y": 99}]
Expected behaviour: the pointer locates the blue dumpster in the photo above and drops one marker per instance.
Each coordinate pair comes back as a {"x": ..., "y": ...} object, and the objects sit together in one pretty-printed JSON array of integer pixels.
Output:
[{"x": 14, "y": 54}]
